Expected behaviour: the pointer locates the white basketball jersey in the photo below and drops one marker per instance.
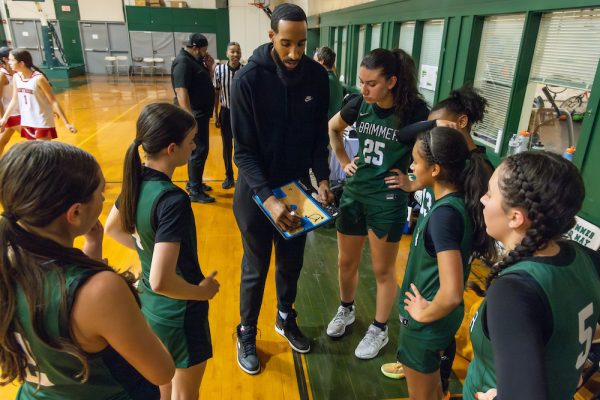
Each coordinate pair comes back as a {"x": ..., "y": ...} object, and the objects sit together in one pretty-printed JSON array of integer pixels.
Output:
[
  {"x": 7, "y": 91},
  {"x": 36, "y": 110}
]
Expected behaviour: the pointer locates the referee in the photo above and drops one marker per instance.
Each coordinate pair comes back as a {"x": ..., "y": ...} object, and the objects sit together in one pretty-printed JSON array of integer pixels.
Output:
[
  {"x": 224, "y": 74},
  {"x": 191, "y": 76}
]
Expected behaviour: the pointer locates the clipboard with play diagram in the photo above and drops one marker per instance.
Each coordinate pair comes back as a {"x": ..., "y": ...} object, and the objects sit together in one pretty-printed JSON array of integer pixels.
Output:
[{"x": 302, "y": 199}]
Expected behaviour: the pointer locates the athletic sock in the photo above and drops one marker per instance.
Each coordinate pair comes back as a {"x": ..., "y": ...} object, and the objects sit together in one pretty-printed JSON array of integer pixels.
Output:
[
  {"x": 283, "y": 315},
  {"x": 380, "y": 325},
  {"x": 349, "y": 305}
]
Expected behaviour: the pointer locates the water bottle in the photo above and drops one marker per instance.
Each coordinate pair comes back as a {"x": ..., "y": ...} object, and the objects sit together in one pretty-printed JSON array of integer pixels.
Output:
[
  {"x": 523, "y": 141},
  {"x": 513, "y": 145},
  {"x": 569, "y": 153}
]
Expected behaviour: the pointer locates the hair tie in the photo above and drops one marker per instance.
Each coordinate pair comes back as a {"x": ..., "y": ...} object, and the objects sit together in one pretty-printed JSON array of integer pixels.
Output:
[
  {"x": 10, "y": 216},
  {"x": 137, "y": 142}
]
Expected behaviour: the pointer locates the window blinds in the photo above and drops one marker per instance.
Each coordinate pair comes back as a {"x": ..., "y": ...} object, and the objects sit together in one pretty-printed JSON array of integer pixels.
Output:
[
  {"x": 567, "y": 49},
  {"x": 407, "y": 36},
  {"x": 430, "y": 57},
  {"x": 498, "y": 52}
]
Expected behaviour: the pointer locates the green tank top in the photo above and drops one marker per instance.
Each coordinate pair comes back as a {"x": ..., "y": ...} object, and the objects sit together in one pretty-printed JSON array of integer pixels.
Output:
[
  {"x": 378, "y": 151},
  {"x": 162, "y": 309},
  {"x": 573, "y": 294},
  {"x": 422, "y": 270},
  {"x": 111, "y": 377}
]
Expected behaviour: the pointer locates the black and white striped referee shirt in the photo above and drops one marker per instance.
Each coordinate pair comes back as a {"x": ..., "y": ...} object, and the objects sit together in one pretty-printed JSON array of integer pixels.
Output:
[{"x": 223, "y": 77}]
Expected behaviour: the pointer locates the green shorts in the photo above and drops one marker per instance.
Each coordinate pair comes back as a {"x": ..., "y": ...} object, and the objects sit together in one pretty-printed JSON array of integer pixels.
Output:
[
  {"x": 356, "y": 218},
  {"x": 419, "y": 351},
  {"x": 189, "y": 344}
]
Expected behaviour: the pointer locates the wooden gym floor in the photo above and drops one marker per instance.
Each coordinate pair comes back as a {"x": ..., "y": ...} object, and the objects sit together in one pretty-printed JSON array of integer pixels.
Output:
[{"x": 105, "y": 110}]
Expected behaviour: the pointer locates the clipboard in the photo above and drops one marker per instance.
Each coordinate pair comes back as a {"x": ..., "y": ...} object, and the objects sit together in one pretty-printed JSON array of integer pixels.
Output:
[{"x": 302, "y": 199}]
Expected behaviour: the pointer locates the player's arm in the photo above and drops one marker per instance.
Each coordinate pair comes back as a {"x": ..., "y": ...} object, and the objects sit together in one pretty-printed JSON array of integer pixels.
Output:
[
  {"x": 11, "y": 106},
  {"x": 115, "y": 230},
  {"x": 3, "y": 82},
  {"x": 336, "y": 139},
  {"x": 165, "y": 280},
  {"x": 105, "y": 313},
  {"x": 47, "y": 90}
]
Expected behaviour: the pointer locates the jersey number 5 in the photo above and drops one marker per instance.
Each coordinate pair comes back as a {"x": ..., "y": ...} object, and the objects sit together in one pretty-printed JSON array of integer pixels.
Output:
[
  {"x": 376, "y": 148},
  {"x": 585, "y": 334}
]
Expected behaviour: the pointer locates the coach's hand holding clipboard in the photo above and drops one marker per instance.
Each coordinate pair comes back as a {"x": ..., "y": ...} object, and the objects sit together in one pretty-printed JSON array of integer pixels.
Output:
[{"x": 285, "y": 218}]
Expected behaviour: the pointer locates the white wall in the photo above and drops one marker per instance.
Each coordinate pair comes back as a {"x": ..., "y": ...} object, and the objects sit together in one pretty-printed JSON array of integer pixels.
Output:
[
  {"x": 26, "y": 9},
  {"x": 322, "y": 6},
  {"x": 248, "y": 26},
  {"x": 102, "y": 10}
]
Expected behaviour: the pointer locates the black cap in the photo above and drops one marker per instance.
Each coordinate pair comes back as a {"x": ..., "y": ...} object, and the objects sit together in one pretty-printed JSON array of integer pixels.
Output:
[{"x": 196, "y": 40}]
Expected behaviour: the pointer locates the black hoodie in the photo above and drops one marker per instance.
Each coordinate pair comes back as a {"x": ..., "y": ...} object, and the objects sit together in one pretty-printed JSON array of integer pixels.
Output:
[{"x": 279, "y": 121}]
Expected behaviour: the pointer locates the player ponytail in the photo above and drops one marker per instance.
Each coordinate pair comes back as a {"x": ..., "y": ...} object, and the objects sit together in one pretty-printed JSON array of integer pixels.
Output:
[
  {"x": 400, "y": 64},
  {"x": 22, "y": 55},
  {"x": 550, "y": 190},
  {"x": 39, "y": 182},
  {"x": 467, "y": 172},
  {"x": 158, "y": 125}
]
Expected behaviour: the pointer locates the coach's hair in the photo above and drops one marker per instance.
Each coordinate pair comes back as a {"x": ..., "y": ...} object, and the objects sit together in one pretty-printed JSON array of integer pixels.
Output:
[
  {"x": 233, "y": 44},
  {"x": 39, "y": 182},
  {"x": 464, "y": 100},
  {"x": 326, "y": 56},
  {"x": 447, "y": 148},
  {"x": 550, "y": 190},
  {"x": 158, "y": 125},
  {"x": 400, "y": 64},
  {"x": 286, "y": 12}
]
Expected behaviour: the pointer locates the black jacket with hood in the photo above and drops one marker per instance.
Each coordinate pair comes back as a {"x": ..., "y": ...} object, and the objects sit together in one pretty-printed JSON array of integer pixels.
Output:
[{"x": 279, "y": 121}]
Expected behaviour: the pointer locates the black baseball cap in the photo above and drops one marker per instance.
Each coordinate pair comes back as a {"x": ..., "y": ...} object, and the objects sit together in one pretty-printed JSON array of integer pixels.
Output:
[{"x": 196, "y": 40}]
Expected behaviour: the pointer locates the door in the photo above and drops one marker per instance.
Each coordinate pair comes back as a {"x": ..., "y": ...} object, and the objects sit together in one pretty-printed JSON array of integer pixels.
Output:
[
  {"x": 163, "y": 46},
  {"x": 94, "y": 38},
  {"x": 26, "y": 37}
]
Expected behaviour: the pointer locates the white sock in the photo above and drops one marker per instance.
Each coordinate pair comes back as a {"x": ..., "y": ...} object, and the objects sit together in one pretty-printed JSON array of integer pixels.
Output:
[{"x": 283, "y": 315}]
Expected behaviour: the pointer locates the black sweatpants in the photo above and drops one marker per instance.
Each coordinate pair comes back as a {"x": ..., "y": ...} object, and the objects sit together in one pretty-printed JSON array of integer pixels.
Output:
[
  {"x": 258, "y": 238},
  {"x": 227, "y": 137},
  {"x": 198, "y": 158}
]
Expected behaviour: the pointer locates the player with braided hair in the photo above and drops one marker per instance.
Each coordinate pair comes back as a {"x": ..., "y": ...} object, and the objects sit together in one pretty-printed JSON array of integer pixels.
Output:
[
  {"x": 533, "y": 331},
  {"x": 431, "y": 302}
]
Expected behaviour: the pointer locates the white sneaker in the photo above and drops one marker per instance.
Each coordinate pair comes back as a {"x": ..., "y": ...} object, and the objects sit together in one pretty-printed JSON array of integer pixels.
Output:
[
  {"x": 344, "y": 317},
  {"x": 373, "y": 341}
]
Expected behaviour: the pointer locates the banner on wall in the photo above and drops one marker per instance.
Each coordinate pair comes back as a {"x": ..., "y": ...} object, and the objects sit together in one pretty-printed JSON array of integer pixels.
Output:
[{"x": 585, "y": 233}]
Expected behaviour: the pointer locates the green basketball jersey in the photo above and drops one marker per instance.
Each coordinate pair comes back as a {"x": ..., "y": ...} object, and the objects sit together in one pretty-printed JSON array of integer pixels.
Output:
[
  {"x": 111, "y": 377},
  {"x": 378, "y": 152},
  {"x": 422, "y": 270},
  {"x": 162, "y": 309},
  {"x": 573, "y": 294}
]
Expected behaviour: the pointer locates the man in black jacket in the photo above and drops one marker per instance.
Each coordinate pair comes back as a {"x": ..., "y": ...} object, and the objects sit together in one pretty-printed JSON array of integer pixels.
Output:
[
  {"x": 279, "y": 121},
  {"x": 191, "y": 76}
]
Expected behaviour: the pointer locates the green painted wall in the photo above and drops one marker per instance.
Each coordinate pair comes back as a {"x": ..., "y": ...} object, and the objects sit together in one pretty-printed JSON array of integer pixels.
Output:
[
  {"x": 69, "y": 29},
  {"x": 460, "y": 47},
  {"x": 164, "y": 19}
]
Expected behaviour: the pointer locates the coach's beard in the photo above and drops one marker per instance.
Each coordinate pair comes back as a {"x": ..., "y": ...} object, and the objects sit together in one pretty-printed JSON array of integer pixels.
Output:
[{"x": 289, "y": 77}]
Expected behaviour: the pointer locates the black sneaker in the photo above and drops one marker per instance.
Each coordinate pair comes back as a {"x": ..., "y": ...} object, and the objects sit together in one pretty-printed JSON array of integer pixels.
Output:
[
  {"x": 201, "y": 197},
  {"x": 228, "y": 183},
  {"x": 246, "y": 350},
  {"x": 289, "y": 330},
  {"x": 204, "y": 187}
]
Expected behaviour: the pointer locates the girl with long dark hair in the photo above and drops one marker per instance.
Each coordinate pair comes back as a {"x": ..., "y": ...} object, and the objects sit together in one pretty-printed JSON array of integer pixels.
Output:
[
  {"x": 71, "y": 327},
  {"x": 444, "y": 240},
  {"x": 33, "y": 94},
  {"x": 154, "y": 217},
  {"x": 533, "y": 331},
  {"x": 369, "y": 209}
]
